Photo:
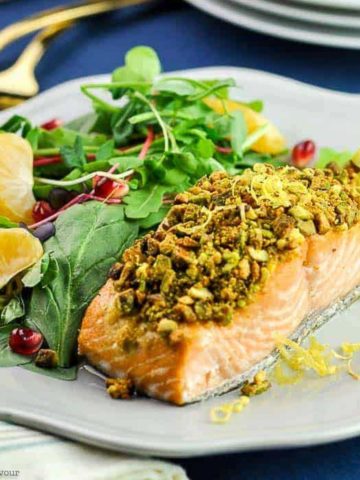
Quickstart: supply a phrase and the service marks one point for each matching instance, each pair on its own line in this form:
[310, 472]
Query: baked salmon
[193, 308]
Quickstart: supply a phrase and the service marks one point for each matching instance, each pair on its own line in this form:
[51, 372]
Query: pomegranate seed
[25, 341]
[303, 153]
[41, 210]
[52, 124]
[109, 188]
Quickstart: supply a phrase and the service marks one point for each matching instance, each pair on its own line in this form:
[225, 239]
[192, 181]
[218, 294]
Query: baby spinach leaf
[89, 239]
[14, 310]
[59, 373]
[43, 272]
[7, 357]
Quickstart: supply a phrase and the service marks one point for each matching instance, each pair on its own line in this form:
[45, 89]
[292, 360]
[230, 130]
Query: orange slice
[19, 250]
[16, 178]
[272, 142]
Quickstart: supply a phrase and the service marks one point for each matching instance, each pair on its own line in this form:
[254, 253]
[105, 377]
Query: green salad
[101, 181]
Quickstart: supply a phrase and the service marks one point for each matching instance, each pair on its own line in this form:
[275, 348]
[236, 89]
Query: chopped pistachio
[120, 388]
[307, 227]
[259, 385]
[167, 326]
[300, 213]
[222, 240]
[244, 268]
[231, 259]
[46, 358]
[200, 293]
[258, 255]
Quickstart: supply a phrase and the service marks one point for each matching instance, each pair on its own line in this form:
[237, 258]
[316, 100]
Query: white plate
[280, 27]
[349, 4]
[316, 411]
[305, 13]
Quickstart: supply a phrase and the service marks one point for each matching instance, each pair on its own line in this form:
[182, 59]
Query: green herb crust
[221, 240]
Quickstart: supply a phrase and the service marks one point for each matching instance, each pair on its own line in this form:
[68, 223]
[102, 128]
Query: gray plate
[315, 411]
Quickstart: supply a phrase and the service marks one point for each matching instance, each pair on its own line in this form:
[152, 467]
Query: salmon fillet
[210, 357]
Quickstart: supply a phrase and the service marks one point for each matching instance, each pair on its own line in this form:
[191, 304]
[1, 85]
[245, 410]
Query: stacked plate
[334, 23]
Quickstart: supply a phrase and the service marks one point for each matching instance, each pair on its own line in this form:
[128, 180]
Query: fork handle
[60, 15]
[33, 53]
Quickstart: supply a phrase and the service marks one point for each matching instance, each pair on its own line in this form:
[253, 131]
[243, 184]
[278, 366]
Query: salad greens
[89, 239]
[153, 136]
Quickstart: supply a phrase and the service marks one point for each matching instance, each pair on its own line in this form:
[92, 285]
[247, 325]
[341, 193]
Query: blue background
[185, 38]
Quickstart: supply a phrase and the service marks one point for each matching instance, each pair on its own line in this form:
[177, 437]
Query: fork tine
[7, 101]
[19, 80]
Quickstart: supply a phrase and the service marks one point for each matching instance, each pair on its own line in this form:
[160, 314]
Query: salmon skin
[284, 247]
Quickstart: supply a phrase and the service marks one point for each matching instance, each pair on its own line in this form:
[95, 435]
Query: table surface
[186, 38]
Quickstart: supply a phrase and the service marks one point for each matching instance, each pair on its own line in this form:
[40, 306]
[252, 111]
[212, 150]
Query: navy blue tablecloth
[185, 38]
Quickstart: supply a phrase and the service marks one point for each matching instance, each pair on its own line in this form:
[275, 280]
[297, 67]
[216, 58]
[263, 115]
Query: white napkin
[31, 455]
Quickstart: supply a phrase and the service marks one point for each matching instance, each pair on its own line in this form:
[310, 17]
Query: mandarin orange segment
[19, 250]
[16, 178]
[272, 142]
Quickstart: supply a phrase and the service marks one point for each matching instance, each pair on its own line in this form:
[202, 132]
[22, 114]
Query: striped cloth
[29, 455]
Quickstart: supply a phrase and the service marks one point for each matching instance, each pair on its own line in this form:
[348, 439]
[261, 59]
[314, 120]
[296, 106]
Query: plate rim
[58, 89]
[345, 4]
[237, 14]
[303, 13]
[344, 429]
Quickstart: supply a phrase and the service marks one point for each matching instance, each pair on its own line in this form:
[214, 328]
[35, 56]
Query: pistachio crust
[223, 237]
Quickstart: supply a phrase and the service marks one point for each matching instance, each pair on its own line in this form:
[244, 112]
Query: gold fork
[59, 15]
[18, 82]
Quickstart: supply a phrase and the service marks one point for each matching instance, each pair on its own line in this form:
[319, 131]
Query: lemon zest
[283, 379]
[339, 356]
[354, 375]
[316, 357]
[222, 413]
[350, 348]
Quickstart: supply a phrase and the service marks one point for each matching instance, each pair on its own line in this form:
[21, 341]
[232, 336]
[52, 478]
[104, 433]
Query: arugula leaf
[126, 163]
[89, 239]
[328, 155]
[6, 223]
[7, 357]
[14, 310]
[62, 136]
[256, 105]
[16, 123]
[106, 151]
[83, 124]
[155, 218]
[238, 132]
[140, 203]
[74, 157]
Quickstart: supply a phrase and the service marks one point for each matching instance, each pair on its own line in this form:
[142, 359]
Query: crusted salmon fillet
[311, 262]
